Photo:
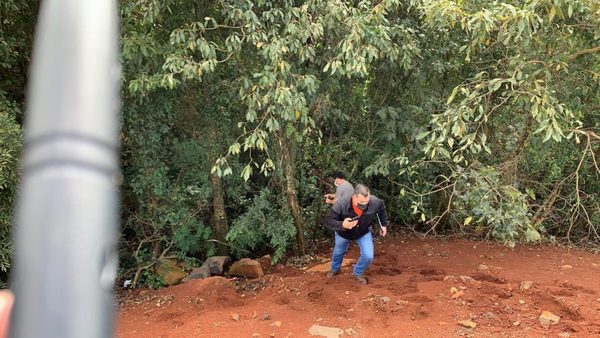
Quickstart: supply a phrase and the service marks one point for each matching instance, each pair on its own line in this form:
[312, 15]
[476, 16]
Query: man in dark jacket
[351, 219]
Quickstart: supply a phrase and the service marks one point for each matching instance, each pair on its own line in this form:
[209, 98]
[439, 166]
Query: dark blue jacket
[342, 209]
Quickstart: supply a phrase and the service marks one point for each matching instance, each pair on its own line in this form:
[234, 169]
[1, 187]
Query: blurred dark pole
[67, 211]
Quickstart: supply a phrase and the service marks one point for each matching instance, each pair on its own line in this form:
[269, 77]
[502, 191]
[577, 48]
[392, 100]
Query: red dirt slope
[418, 288]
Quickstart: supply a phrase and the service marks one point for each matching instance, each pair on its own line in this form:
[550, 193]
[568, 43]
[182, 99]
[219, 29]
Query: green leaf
[468, 220]
[246, 172]
[422, 135]
[451, 97]
[532, 235]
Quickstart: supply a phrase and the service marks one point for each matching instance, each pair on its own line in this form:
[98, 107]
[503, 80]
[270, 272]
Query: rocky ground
[418, 288]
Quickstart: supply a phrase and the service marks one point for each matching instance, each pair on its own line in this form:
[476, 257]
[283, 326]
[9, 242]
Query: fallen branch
[584, 52]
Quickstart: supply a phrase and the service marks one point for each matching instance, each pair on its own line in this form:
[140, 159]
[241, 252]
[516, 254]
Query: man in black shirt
[351, 219]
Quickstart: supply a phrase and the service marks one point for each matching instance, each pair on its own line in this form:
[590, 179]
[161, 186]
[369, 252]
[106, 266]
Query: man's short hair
[338, 174]
[361, 189]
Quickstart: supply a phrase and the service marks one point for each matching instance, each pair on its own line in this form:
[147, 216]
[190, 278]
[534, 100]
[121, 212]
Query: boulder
[266, 263]
[198, 273]
[218, 264]
[169, 271]
[246, 267]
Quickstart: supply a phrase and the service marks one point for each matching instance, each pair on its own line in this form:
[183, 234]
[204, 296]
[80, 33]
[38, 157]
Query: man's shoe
[332, 273]
[361, 279]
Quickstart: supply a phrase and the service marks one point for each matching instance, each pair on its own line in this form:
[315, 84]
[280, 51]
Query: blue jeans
[365, 243]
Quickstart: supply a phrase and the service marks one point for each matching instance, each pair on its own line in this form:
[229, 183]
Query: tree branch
[584, 52]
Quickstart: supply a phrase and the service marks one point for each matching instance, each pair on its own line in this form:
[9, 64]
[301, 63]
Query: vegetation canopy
[471, 117]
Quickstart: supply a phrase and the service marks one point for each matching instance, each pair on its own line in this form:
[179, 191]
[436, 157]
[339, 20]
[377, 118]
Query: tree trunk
[219, 216]
[546, 207]
[292, 195]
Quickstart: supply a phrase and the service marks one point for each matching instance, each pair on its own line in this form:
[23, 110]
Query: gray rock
[218, 264]
[198, 273]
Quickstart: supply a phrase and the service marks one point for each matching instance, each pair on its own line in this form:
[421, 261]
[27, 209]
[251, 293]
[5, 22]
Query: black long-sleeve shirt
[342, 209]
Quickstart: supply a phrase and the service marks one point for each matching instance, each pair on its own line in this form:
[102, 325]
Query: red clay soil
[417, 288]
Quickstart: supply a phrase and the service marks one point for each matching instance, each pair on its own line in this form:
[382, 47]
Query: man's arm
[382, 219]
[334, 220]
[382, 214]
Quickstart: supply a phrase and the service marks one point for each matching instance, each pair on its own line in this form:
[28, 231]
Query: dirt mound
[417, 288]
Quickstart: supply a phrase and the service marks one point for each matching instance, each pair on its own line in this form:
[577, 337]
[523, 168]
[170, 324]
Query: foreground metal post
[67, 214]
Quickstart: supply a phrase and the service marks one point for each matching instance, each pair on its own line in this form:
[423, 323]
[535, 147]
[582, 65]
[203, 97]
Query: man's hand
[329, 198]
[383, 231]
[6, 302]
[349, 223]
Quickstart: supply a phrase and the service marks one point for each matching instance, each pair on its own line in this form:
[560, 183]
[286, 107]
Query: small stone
[458, 294]
[272, 335]
[385, 299]
[466, 279]
[265, 316]
[526, 285]
[402, 302]
[489, 315]
[235, 317]
[351, 332]
[449, 277]
[453, 290]
[468, 323]
[483, 267]
[564, 335]
[442, 323]
[517, 323]
[347, 292]
[350, 310]
[566, 266]
[276, 324]
[256, 335]
[521, 301]
[548, 318]
[325, 331]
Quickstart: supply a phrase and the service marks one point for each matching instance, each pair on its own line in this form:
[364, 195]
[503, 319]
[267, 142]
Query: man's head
[361, 196]
[338, 177]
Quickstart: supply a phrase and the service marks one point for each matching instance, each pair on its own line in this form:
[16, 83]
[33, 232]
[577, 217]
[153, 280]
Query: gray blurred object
[67, 212]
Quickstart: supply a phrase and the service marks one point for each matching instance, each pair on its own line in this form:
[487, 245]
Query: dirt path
[418, 288]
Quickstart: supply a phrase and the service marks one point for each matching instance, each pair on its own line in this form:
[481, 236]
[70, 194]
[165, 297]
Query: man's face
[361, 201]
[337, 181]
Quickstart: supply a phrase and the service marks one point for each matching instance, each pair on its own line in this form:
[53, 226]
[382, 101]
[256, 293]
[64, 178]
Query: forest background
[479, 118]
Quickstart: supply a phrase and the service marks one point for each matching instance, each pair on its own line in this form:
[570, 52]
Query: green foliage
[266, 225]
[152, 280]
[465, 116]
[490, 207]
[10, 147]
